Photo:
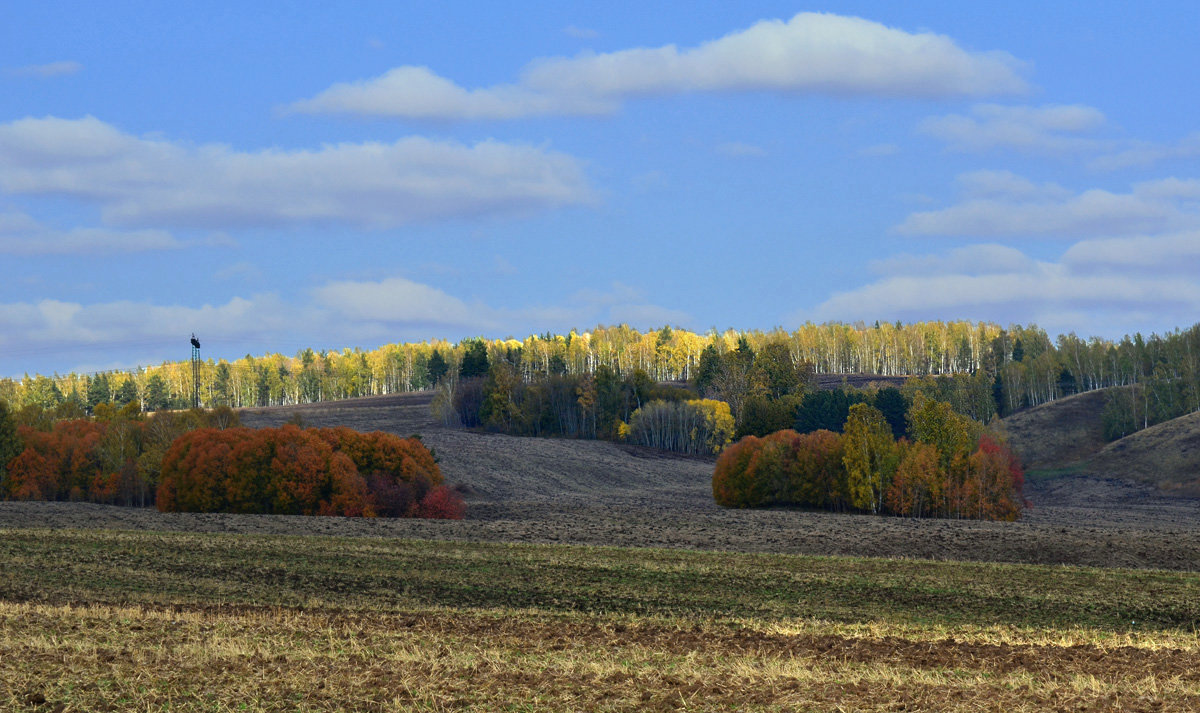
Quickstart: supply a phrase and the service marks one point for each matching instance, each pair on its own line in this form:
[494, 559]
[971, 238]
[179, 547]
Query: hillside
[1068, 433]
[1059, 433]
[599, 493]
[1167, 455]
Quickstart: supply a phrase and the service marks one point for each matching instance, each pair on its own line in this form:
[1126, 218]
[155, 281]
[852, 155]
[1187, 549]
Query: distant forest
[982, 369]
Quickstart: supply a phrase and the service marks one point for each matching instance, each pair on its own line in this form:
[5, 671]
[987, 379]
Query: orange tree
[297, 471]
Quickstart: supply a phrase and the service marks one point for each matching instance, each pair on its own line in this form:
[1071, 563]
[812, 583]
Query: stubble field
[102, 620]
[683, 606]
[598, 493]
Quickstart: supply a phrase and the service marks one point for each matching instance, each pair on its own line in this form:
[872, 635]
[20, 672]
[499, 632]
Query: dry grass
[1059, 433]
[140, 658]
[1166, 455]
[105, 620]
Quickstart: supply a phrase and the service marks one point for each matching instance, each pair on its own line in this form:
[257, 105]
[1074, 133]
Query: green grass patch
[1044, 475]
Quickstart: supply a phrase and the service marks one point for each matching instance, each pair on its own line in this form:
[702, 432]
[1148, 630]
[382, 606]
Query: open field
[598, 493]
[700, 608]
[96, 620]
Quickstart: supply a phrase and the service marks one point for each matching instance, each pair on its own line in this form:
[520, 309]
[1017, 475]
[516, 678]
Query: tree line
[981, 366]
[952, 467]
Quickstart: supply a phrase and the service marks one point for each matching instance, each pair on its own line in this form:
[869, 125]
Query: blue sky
[273, 178]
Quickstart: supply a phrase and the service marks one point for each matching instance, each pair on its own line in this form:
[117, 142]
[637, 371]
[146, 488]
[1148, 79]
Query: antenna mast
[195, 371]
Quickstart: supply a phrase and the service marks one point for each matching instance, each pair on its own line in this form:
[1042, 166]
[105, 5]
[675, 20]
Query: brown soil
[598, 493]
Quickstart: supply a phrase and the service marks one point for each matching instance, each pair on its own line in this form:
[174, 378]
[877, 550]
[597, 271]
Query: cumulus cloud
[46, 71]
[1052, 130]
[143, 181]
[999, 204]
[418, 93]
[813, 52]
[1174, 252]
[397, 300]
[48, 323]
[1140, 154]
[340, 312]
[1049, 129]
[983, 259]
[1103, 297]
[20, 234]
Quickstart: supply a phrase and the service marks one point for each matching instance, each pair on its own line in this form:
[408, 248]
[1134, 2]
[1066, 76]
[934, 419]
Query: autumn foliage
[294, 471]
[954, 468]
[60, 464]
[114, 458]
[199, 461]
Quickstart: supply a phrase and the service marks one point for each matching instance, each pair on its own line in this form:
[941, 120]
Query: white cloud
[1174, 253]
[342, 312]
[71, 325]
[397, 300]
[813, 52]
[1049, 129]
[46, 71]
[1052, 130]
[1057, 296]
[1147, 153]
[1006, 184]
[999, 204]
[418, 93]
[20, 234]
[154, 182]
[983, 259]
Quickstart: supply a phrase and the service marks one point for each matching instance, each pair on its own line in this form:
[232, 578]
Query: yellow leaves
[869, 458]
[936, 423]
[718, 422]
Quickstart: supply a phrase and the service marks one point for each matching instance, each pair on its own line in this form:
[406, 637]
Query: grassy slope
[1058, 433]
[1068, 435]
[156, 621]
[1167, 454]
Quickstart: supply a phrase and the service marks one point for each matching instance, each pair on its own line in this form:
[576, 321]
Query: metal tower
[195, 371]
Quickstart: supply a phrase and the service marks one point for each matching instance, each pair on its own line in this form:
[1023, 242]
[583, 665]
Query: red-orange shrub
[443, 503]
[290, 470]
[816, 470]
[733, 483]
[60, 464]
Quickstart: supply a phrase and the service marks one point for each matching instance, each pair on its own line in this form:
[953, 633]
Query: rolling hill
[1059, 433]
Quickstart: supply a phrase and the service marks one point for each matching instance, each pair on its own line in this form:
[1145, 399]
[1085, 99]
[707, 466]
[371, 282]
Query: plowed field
[100, 620]
[597, 493]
